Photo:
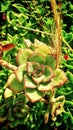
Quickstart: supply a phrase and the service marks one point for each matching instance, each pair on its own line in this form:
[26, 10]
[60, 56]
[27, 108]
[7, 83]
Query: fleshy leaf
[20, 112]
[49, 74]
[45, 87]
[36, 57]
[33, 94]
[14, 84]
[29, 44]
[60, 78]
[30, 67]
[19, 72]
[51, 61]
[8, 46]
[38, 80]
[23, 55]
[13, 124]
[10, 115]
[10, 78]
[43, 49]
[8, 93]
[28, 83]
[9, 102]
[3, 112]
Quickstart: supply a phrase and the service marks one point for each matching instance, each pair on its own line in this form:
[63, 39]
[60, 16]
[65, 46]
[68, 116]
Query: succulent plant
[35, 79]
[36, 72]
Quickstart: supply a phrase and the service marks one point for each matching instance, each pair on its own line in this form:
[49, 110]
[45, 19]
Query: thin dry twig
[7, 65]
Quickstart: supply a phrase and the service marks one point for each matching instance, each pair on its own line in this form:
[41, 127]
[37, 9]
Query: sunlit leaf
[33, 94]
[28, 83]
[30, 66]
[14, 84]
[5, 6]
[38, 80]
[45, 87]
[20, 8]
[8, 93]
[49, 74]
[36, 57]
[23, 55]
[51, 61]
[19, 72]
[43, 49]
[60, 78]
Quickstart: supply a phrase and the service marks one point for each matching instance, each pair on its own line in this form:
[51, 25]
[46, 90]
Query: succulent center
[38, 71]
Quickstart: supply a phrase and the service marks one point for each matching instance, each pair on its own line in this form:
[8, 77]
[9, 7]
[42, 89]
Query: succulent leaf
[28, 82]
[36, 57]
[19, 72]
[10, 115]
[20, 113]
[14, 84]
[59, 79]
[43, 49]
[33, 94]
[38, 80]
[8, 93]
[23, 55]
[51, 61]
[45, 87]
[49, 74]
[30, 66]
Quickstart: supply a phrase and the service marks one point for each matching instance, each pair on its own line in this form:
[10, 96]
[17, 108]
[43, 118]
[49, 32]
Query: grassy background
[34, 19]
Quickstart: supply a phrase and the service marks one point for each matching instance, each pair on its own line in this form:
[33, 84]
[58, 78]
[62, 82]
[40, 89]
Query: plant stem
[65, 42]
[58, 37]
[7, 65]
[35, 30]
[46, 33]
[59, 98]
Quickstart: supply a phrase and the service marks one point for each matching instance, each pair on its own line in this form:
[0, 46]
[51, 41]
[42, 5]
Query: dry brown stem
[58, 31]
[7, 65]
